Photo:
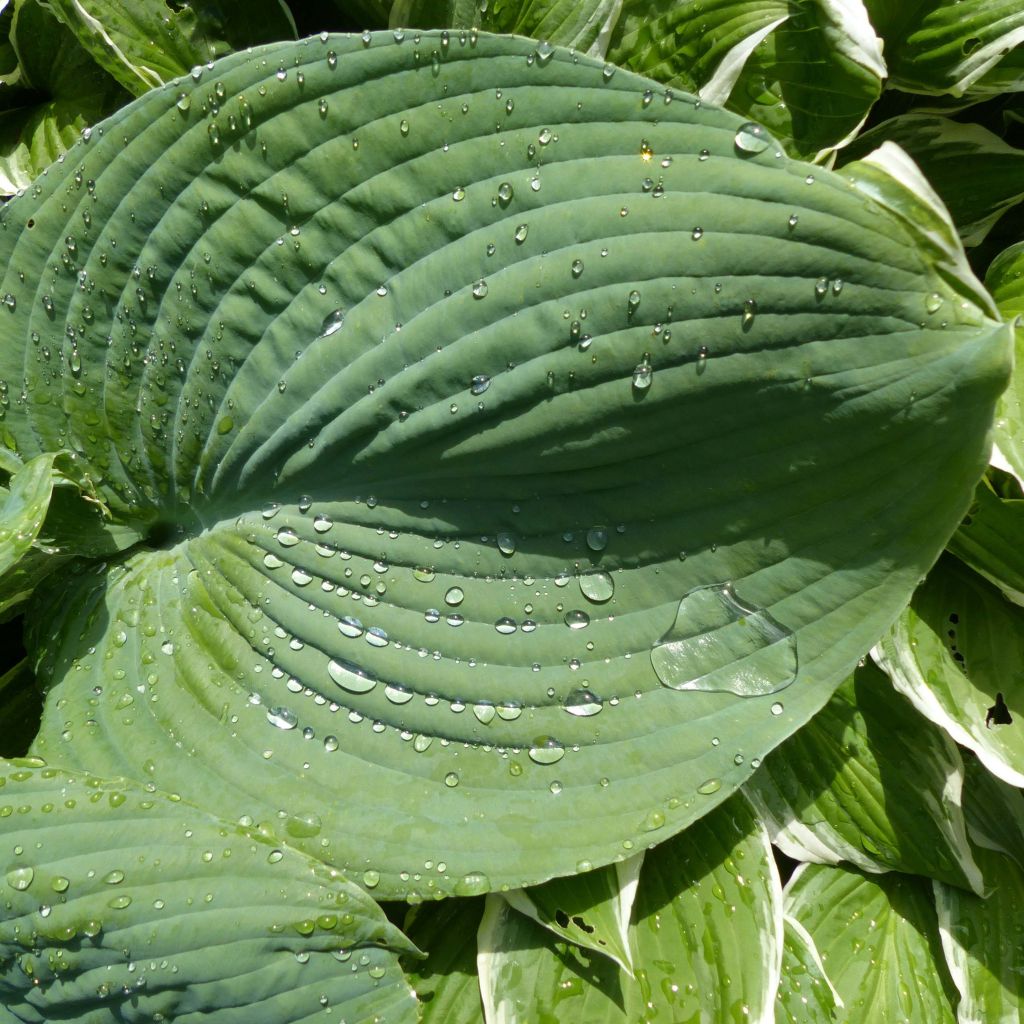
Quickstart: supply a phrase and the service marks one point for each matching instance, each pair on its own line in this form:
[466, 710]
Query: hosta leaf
[23, 506]
[978, 175]
[995, 812]
[122, 903]
[814, 78]
[866, 781]
[988, 539]
[58, 93]
[1005, 280]
[591, 909]
[145, 43]
[952, 46]
[805, 995]
[957, 653]
[879, 943]
[446, 983]
[417, 541]
[706, 901]
[982, 938]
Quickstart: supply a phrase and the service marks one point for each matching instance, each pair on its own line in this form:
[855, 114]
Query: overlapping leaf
[957, 652]
[879, 942]
[122, 903]
[868, 782]
[506, 493]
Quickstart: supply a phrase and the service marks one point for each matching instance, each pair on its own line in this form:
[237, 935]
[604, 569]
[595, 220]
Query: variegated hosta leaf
[1005, 280]
[982, 939]
[978, 175]
[501, 496]
[143, 44]
[813, 80]
[879, 942]
[707, 934]
[592, 908]
[123, 903]
[446, 983]
[989, 538]
[868, 782]
[805, 996]
[960, 47]
[957, 653]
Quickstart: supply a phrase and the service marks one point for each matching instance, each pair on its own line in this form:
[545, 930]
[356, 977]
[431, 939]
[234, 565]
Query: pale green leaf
[879, 942]
[957, 652]
[805, 995]
[442, 382]
[147, 42]
[952, 46]
[868, 782]
[126, 903]
[23, 505]
[978, 176]
[707, 933]
[591, 909]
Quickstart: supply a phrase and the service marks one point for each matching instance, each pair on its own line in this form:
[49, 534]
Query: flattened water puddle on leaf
[718, 643]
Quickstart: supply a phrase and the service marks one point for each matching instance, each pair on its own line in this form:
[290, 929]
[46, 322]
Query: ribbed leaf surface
[125, 904]
[522, 450]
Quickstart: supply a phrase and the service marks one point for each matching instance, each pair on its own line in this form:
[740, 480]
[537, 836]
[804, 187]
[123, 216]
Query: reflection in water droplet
[421, 742]
[509, 712]
[454, 596]
[20, 878]
[643, 374]
[332, 322]
[933, 303]
[376, 636]
[720, 644]
[287, 537]
[397, 695]
[520, 233]
[283, 718]
[546, 750]
[451, 780]
[350, 626]
[597, 538]
[479, 384]
[476, 883]
[351, 677]
[709, 786]
[597, 587]
[505, 625]
[484, 712]
[583, 703]
[751, 138]
[480, 289]
[749, 311]
[577, 619]
[777, 708]
[506, 544]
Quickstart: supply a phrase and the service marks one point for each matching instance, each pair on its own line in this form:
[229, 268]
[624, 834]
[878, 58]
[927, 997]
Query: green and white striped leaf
[805, 995]
[959, 47]
[693, 47]
[813, 80]
[446, 983]
[988, 539]
[707, 933]
[145, 44]
[592, 908]
[402, 456]
[982, 937]
[958, 653]
[1005, 280]
[978, 176]
[58, 93]
[868, 782]
[125, 903]
[879, 942]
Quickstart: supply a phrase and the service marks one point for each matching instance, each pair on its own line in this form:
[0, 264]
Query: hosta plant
[452, 485]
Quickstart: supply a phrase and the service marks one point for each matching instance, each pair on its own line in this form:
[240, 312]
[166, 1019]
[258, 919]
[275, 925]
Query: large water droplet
[597, 587]
[643, 374]
[20, 878]
[718, 643]
[577, 619]
[476, 883]
[283, 718]
[332, 322]
[751, 138]
[350, 626]
[505, 625]
[546, 750]
[479, 384]
[454, 596]
[583, 703]
[351, 677]
[597, 538]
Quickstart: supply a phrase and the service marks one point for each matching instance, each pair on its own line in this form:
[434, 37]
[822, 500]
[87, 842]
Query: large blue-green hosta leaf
[517, 451]
[122, 903]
